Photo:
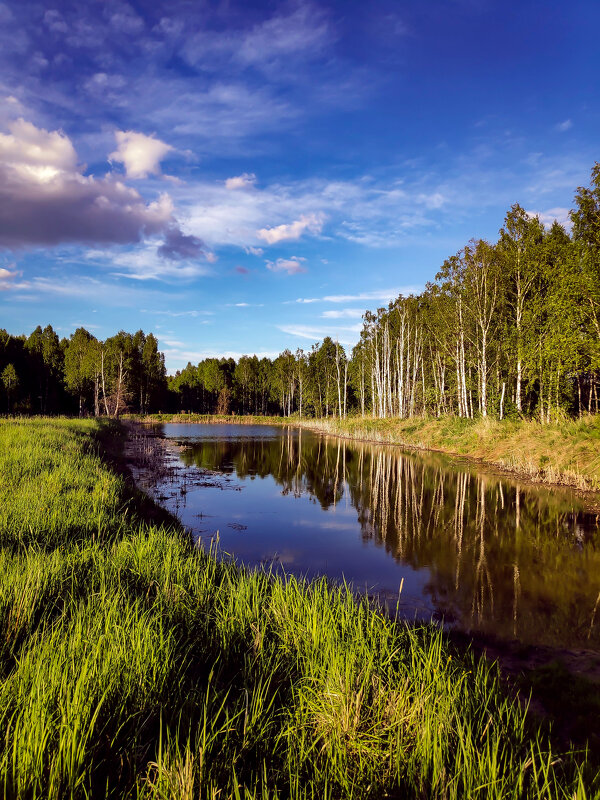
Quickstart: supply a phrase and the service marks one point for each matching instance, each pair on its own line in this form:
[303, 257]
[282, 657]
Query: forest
[506, 329]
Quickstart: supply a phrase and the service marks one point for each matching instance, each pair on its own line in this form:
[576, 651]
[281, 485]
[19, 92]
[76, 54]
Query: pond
[434, 537]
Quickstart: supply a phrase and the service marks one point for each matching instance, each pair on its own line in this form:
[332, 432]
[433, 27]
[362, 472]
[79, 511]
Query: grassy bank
[134, 665]
[207, 419]
[565, 453]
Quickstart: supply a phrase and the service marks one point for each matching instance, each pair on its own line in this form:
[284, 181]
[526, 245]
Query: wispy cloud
[410, 204]
[145, 263]
[343, 313]
[163, 313]
[347, 335]
[566, 125]
[84, 289]
[272, 45]
[384, 295]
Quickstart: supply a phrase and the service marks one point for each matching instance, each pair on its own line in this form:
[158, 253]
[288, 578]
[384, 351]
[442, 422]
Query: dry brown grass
[565, 453]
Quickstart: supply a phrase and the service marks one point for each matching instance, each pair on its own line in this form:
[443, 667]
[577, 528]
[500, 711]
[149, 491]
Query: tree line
[311, 383]
[42, 374]
[510, 328]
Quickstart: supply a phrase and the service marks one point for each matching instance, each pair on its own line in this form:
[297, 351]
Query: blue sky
[245, 177]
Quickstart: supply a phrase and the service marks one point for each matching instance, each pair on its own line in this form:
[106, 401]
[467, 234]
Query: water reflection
[491, 555]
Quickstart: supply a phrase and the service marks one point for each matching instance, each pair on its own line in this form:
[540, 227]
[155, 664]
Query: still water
[477, 550]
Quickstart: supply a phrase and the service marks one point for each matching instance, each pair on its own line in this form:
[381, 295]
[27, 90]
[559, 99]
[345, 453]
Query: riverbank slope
[565, 454]
[136, 665]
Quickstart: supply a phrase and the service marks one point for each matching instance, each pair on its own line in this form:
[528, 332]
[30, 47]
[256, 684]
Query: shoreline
[388, 432]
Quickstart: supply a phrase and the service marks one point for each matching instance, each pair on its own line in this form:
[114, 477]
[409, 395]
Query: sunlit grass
[566, 452]
[133, 664]
[232, 419]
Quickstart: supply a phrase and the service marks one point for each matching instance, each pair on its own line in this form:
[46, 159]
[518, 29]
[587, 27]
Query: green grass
[565, 452]
[134, 665]
[232, 419]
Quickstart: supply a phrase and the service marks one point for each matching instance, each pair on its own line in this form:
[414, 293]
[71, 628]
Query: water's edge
[546, 478]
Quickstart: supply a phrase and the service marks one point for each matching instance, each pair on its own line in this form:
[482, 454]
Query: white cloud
[140, 154]
[36, 154]
[254, 251]
[304, 300]
[344, 313]
[146, 263]
[384, 295]
[244, 181]
[291, 265]
[292, 231]
[171, 342]
[373, 213]
[347, 335]
[8, 279]
[177, 358]
[564, 126]
[547, 218]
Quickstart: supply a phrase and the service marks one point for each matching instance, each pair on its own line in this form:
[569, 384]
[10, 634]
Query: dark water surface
[478, 550]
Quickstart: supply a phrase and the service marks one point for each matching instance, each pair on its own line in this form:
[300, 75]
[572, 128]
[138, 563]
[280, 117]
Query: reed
[135, 665]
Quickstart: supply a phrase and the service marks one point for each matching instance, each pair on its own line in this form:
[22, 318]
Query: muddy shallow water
[482, 552]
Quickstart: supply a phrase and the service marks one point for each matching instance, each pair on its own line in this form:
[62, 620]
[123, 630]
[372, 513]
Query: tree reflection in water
[517, 561]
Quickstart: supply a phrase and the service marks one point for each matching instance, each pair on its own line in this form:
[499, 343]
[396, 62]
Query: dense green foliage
[41, 374]
[135, 665]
